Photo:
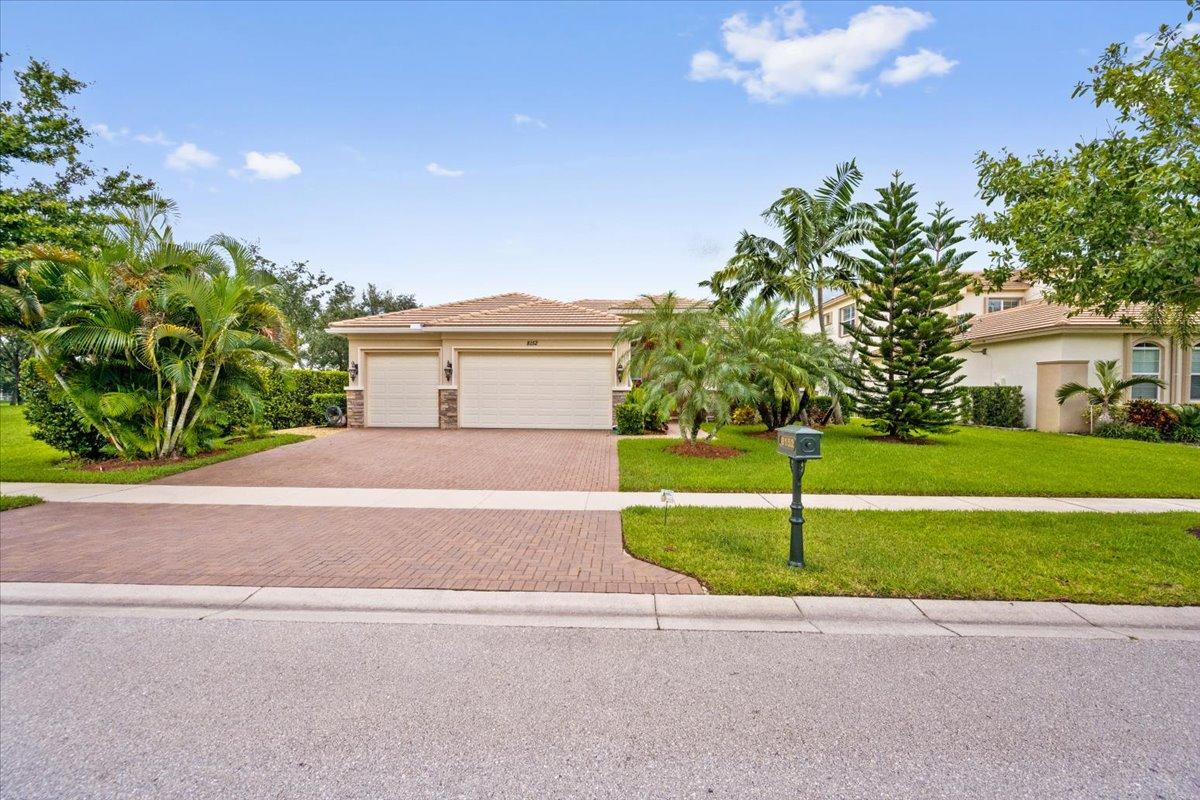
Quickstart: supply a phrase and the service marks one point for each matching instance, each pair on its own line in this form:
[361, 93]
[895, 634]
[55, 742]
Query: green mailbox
[801, 445]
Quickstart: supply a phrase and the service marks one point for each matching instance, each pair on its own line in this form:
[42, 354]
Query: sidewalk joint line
[926, 616]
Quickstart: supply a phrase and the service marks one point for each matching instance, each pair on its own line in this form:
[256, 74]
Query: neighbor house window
[1001, 303]
[1147, 363]
[827, 319]
[845, 320]
[1195, 392]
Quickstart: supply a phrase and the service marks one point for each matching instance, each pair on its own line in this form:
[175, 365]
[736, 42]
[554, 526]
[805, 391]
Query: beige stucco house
[1015, 338]
[506, 361]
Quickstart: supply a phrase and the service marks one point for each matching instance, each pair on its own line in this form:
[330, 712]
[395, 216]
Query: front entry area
[535, 390]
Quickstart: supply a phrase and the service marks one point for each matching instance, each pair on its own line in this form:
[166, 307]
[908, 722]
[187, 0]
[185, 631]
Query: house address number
[531, 342]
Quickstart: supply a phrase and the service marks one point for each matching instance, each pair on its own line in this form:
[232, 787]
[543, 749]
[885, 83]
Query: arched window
[1194, 395]
[1147, 363]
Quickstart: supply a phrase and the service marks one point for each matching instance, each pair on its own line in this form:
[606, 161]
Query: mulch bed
[702, 450]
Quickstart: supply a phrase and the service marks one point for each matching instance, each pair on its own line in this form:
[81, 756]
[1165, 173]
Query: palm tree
[148, 334]
[1110, 390]
[699, 381]
[812, 255]
[664, 326]
[786, 366]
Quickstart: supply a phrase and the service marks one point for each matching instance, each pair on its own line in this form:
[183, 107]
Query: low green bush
[54, 420]
[995, 406]
[631, 419]
[1119, 430]
[322, 401]
[1187, 425]
[287, 401]
[745, 415]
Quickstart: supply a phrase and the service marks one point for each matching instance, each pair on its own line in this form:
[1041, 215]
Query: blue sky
[566, 150]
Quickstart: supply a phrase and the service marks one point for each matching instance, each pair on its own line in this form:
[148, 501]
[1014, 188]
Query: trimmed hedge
[321, 401]
[53, 418]
[288, 400]
[1117, 430]
[995, 406]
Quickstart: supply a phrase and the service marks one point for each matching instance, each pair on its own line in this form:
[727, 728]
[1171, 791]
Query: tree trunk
[835, 412]
[821, 308]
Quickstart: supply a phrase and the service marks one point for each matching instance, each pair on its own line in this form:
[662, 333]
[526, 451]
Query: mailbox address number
[787, 441]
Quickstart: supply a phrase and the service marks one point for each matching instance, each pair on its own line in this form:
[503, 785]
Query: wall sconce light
[353, 371]
[448, 371]
[620, 371]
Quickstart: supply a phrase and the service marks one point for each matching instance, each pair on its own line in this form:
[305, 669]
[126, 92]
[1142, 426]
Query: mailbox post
[800, 445]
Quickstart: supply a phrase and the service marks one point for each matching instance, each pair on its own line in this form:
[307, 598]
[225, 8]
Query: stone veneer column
[354, 408]
[447, 408]
[618, 397]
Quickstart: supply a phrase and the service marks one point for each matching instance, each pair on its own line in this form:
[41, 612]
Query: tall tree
[1115, 220]
[817, 230]
[904, 339]
[40, 133]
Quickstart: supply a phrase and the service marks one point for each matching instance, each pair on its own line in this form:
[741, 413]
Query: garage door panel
[402, 390]
[543, 390]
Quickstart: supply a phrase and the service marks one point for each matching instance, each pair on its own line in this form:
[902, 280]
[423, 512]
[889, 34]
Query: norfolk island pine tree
[903, 338]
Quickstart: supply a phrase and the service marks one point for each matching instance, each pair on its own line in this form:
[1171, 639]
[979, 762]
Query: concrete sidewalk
[814, 615]
[561, 500]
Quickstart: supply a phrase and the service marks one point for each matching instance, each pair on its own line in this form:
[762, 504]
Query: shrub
[54, 419]
[995, 406]
[1187, 426]
[323, 401]
[1117, 430]
[745, 415]
[1149, 414]
[631, 419]
[287, 401]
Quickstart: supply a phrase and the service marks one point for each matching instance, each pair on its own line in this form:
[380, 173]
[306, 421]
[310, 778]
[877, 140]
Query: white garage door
[535, 390]
[402, 390]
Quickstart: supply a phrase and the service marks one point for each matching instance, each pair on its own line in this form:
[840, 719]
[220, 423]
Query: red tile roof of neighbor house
[639, 303]
[1039, 317]
[513, 309]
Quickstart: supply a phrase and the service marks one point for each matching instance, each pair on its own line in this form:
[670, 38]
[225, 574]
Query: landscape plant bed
[984, 555]
[970, 461]
[24, 459]
[703, 450]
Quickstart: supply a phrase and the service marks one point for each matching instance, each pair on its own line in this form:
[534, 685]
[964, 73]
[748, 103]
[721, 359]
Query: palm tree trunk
[180, 423]
[821, 308]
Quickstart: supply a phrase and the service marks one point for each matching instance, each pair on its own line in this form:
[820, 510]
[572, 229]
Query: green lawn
[10, 501]
[23, 458]
[972, 461]
[993, 555]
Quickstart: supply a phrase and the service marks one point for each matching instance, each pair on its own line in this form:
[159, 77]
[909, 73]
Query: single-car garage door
[535, 390]
[402, 390]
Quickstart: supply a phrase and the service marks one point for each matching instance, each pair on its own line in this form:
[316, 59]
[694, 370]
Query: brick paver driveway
[398, 458]
[346, 547]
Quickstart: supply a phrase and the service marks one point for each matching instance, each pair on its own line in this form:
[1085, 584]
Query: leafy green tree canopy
[1116, 219]
[41, 135]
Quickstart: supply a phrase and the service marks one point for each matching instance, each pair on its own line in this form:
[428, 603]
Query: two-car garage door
[495, 390]
[535, 390]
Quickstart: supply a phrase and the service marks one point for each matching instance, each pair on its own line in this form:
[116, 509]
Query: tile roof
[639, 303]
[515, 309]
[1038, 316]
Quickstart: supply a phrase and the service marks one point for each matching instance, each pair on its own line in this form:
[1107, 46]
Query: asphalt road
[156, 708]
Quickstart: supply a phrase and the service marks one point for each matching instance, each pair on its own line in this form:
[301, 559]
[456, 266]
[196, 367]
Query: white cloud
[270, 166]
[779, 56]
[526, 121]
[1143, 43]
[188, 156]
[434, 168]
[106, 133]
[153, 138]
[921, 64]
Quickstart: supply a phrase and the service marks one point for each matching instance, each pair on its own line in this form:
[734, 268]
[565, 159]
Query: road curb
[811, 615]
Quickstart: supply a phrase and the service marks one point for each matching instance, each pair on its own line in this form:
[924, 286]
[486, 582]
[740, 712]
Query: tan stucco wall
[1050, 416]
[448, 346]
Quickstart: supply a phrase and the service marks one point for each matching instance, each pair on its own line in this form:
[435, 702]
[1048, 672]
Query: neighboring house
[506, 361]
[1015, 338]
